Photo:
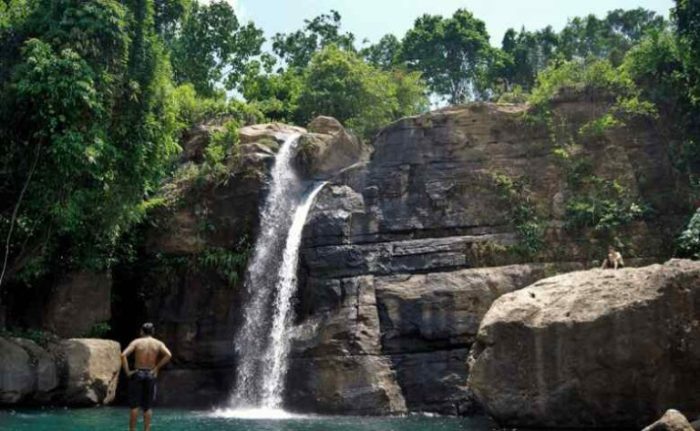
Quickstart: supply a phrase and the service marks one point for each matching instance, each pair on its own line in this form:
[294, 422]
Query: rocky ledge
[74, 372]
[592, 349]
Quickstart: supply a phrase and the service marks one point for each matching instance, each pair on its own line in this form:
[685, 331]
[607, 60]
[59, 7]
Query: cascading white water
[278, 348]
[262, 343]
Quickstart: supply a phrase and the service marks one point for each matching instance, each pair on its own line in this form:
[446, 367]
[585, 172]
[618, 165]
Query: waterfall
[262, 343]
[275, 357]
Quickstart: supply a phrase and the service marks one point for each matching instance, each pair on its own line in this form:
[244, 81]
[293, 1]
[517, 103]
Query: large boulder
[328, 149]
[89, 371]
[77, 303]
[276, 132]
[44, 370]
[17, 378]
[672, 420]
[592, 349]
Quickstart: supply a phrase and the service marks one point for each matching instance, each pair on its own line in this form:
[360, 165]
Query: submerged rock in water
[672, 420]
[592, 349]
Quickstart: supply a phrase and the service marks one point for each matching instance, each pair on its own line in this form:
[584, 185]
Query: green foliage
[527, 53]
[604, 206]
[385, 54]
[275, 94]
[99, 330]
[222, 147]
[168, 15]
[296, 49]
[42, 338]
[688, 243]
[194, 109]
[338, 83]
[610, 38]
[598, 126]
[659, 67]
[523, 213]
[88, 127]
[453, 54]
[212, 47]
[593, 74]
[687, 15]
[228, 264]
[596, 203]
[516, 95]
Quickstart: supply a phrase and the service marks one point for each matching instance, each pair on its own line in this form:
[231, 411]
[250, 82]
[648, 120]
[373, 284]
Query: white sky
[371, 19]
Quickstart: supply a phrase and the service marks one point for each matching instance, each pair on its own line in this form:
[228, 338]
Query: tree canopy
[96, 94]
[453, 54]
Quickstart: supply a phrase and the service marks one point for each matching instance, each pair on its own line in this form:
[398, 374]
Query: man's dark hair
[148, 328]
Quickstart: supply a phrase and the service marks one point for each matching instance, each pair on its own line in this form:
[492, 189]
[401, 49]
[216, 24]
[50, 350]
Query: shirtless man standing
[142, 380]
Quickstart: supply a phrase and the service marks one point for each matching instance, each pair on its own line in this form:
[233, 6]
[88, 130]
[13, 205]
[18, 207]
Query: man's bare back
[147, 350]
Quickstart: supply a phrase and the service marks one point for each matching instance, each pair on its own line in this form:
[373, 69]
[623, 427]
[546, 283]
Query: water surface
[116, 419]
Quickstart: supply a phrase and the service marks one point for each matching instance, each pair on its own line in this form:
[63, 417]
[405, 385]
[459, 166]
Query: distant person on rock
[613, 260]
[150, 355]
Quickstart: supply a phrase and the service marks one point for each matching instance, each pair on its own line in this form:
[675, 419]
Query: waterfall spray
[262, 343]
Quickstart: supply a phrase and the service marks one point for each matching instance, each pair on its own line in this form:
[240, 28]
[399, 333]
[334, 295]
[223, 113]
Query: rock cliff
[406, 249]
[404, 255]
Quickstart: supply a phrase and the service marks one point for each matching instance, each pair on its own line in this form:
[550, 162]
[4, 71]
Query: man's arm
[125, 361]
[164, 360]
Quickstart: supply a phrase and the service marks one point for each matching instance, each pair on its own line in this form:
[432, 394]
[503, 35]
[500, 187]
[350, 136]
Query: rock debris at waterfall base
[598, 348]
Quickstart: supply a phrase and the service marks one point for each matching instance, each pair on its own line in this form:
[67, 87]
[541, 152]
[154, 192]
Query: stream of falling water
[262, 343]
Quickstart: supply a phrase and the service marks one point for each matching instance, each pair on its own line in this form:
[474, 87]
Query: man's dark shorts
[142, 389]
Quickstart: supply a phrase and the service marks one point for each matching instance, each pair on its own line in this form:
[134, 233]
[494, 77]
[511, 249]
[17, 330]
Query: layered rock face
[74, 372]
[407, 247]
[592, 349]
[392, 283]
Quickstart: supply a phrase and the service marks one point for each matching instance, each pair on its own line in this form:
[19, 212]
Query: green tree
[276, 94]
[453, 54]
[338, 83]
[385, 54]
[168, 14]
[526, 54]
[296, 49]
[610, 37]
[213, 47]
[87, 128]
[687, 17]
[688, 243]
